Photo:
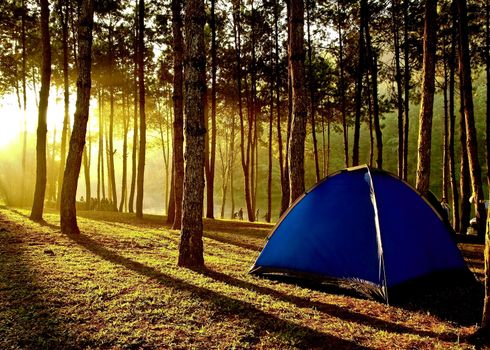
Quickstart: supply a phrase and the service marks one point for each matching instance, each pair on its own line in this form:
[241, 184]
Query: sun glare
[11, 120]
[12, 117]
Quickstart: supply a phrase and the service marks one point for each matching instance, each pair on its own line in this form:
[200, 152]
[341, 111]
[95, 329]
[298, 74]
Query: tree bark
[445, 133]
[327, 171]
[101, 145]
[52, 177]
[24, 100]
[487, 50]
[134, 155]
[141, 81]
[232, 165]
[373, 68]
[77, 141]
[210, 169]
[427, 100]
[245, 154]
[40, 190]
[398, 80]
[171, 203]
[252, 123]
[86, 171]
[452, 124]
[282, 165]
[124, 180]
[178, 147]
[66, 88]
[108, 164]
[269, 158]
[299, 113]
[471, 137]
[406, 89]
[191, 245]
[464, 177]
[312, 88]
[343, 107]
[112, 172]
[360, 73]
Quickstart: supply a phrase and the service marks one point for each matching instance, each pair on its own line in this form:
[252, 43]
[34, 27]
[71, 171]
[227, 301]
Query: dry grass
[117, 286]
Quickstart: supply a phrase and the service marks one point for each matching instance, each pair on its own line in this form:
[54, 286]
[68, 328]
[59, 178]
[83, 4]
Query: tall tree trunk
[171, 202]
[487, 50]
[124, 180]
[359, 76]
[406, 89]
[77, 141]
[343, 107]
[298, 127]
[464, 177]
[38, 204]
[224, 156]
[445, 136]
[165, 161]
[282, 165]
[427, 98]
[34, 87]
[327, 172]
[373, 68]
[178, 147]
[312, 88]
[245, 155]
[485, 326]
[452, 125]
[269, 158]
[52, 177]
[74, 17]
[141, 81]
[232, 165]
[112, 172]
[108, 164]
[66, 88]
[370, 122]
[252, 123]
[398, 80]
[210, 169]
[24, 100]
[324, 156]
[191, 245]
[86, 171]
[134, 154]
[471, 136]
[101, 145]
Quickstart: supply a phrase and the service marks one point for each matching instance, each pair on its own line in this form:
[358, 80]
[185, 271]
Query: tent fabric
[364, 225]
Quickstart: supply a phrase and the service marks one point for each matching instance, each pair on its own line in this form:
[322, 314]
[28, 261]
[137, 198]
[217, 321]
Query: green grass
[117, 286]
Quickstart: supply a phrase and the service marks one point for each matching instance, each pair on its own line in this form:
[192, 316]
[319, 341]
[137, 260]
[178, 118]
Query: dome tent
[364, 227]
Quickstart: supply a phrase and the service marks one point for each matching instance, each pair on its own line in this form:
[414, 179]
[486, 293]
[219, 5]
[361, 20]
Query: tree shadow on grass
[262, 322]
[330, 309]
[41, 222]
[221, 235]
[29, 319]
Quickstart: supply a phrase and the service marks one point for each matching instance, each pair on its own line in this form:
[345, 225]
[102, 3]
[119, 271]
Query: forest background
[331, 40]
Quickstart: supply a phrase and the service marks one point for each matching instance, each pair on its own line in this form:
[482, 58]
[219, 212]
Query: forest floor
[117, 286]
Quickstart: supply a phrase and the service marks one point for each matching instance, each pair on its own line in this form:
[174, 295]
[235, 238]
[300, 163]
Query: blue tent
[364, 226]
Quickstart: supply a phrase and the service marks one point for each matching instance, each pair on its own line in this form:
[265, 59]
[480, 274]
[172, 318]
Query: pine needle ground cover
[117, 286]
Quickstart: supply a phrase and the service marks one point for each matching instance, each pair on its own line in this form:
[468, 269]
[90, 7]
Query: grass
[117, 286]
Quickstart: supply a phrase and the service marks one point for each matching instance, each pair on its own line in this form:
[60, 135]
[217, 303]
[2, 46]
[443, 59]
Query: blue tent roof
[361, 224]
